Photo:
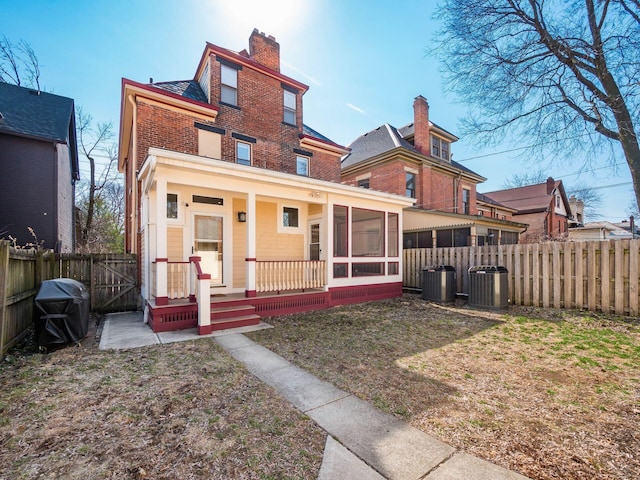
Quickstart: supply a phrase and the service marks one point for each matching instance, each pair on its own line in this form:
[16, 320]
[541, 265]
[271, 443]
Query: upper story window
[229, 85]
[289, 107]
[302, 165]
[439, 148]
[411, 184]
[243, 153]
[364, 183]
[465, 201]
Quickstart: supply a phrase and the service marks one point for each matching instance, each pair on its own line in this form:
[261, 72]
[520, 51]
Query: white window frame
[307, 165]
[249, 145]
[288, 109]
[302, 219]
[230, 86]
[178, 218]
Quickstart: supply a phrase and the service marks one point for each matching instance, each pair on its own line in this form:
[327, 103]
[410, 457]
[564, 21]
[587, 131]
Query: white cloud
[301, 73]
[357, 109]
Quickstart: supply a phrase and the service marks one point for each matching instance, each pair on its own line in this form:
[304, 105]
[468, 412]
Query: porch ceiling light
[242, 217]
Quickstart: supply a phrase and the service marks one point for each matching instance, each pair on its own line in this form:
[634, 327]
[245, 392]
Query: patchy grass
[552, 394]
[185, 410]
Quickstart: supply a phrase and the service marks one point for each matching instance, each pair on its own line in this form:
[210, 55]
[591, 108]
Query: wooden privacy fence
[599, 276]
[110, 278]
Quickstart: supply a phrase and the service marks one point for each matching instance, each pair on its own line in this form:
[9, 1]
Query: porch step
[233, 317]
[235, 322]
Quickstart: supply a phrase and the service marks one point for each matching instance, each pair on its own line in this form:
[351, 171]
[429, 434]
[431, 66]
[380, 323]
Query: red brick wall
[260, 115]
[164, 128]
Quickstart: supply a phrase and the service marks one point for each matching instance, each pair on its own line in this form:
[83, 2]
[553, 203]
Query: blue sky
[364, 62]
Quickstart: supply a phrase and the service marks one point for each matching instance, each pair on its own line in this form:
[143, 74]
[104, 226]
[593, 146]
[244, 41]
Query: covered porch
[222, 241]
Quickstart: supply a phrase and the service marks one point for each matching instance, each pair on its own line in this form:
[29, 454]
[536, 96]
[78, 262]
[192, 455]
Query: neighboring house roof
[480, 198]
[613, 229]
[35, 114]
[528, 199]
[185, 88]
[409, 130]
[386, 138]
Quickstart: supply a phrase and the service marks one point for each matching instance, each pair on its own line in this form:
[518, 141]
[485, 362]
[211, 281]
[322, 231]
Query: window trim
[307, 164]
[241, 142]
[302, 219]
[286, 109]
[178, 217]
[414, 176]
[229, 68]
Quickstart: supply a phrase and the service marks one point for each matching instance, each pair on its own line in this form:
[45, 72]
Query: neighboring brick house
[224, 178]
[416, 161]
[544, 207]
[38, 167]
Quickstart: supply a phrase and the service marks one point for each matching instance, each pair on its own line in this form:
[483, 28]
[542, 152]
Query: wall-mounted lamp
[242, 217]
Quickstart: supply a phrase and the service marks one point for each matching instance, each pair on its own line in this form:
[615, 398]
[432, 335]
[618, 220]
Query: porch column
[161, 242]
[250, 259]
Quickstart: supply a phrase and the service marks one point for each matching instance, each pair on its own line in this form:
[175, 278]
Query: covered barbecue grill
[61, 312]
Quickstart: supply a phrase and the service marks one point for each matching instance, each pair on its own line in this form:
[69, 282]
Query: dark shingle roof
[375, 142]
[185, 88]
[383, 139]
[307, 130]
[527, 198]
[29, 113]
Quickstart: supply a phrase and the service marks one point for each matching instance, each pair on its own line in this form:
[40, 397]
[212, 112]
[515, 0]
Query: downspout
[134, 183]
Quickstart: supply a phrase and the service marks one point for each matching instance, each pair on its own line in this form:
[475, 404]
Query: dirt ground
[179, 411]
[548, 393]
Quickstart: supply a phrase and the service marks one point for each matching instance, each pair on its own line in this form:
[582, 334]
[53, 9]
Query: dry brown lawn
[551, 394]
[180, 411]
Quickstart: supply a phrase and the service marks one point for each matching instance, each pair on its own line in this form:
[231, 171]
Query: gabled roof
[386, 138]
[185, 88]
[530, 198]
[35, 114]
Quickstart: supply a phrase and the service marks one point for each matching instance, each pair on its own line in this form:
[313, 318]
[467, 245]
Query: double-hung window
[439, 148]
[229, 85]
[410, 179]
[289, 107]
[243, 153]
[465, 201]
[302, 165]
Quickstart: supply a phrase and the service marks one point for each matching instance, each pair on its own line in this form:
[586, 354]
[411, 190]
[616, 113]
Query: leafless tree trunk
[95, 139]
[565, 72]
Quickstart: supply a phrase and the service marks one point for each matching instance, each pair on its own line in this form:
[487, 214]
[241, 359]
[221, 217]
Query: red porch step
[233, 317]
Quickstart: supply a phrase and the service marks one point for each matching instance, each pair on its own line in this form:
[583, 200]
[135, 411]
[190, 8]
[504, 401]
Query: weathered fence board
[599, 276]
[110, 278]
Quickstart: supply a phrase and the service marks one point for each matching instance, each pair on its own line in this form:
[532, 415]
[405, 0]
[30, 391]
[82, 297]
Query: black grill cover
[61, 312]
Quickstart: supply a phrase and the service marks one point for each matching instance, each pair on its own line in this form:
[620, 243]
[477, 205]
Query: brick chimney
[551, 184]
[264, 50]
[422, 131]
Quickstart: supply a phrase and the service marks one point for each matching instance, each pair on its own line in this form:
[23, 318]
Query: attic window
[439, 148]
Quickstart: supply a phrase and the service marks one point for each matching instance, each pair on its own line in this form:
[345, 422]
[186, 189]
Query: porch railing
[277, 276]
[178, 280]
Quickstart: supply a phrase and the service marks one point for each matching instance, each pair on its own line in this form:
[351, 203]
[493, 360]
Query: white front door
[208, 245]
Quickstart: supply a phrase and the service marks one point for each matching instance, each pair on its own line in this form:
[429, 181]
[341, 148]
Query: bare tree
[18, 64]
[95, 140]
[565, 72]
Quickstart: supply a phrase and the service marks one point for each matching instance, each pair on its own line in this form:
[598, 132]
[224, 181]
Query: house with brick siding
[234, 205]
[544, 207]
[416, 161]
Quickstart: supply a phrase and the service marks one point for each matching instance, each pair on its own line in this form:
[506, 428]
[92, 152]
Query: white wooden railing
[277, 276]
[178, 279]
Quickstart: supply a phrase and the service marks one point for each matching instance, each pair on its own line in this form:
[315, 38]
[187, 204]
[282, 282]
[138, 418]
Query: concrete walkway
[363, 442]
